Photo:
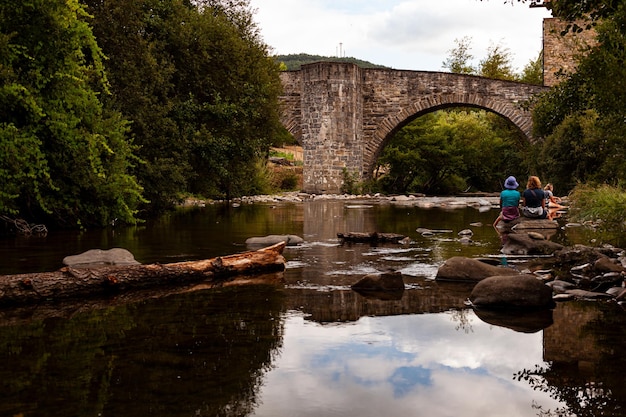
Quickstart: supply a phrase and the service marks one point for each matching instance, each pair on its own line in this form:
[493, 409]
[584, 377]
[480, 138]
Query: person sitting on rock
[509, 202]
[551, 199]
[533, 199]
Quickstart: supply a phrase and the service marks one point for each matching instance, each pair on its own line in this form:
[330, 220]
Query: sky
[401, 34]
[403, 365]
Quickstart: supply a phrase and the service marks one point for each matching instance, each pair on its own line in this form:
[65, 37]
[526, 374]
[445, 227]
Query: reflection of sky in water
[428, 364]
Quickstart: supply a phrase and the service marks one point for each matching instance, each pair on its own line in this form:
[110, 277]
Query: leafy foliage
[187, 103]
[200, 88]
[293, 62]
[64, 157]
[459, 58]
[497, 64]
[532, 73]
[450, 151]
[600, 202]
[582, 118]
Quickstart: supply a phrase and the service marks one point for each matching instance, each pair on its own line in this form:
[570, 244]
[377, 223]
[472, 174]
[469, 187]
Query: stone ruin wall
[560, 51]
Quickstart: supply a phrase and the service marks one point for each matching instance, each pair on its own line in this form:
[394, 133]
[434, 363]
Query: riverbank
[484, 200]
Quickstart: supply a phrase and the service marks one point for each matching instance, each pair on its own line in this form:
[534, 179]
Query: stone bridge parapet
[343, 115]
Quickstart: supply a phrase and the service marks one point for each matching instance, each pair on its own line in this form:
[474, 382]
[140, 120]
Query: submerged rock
[390, 281]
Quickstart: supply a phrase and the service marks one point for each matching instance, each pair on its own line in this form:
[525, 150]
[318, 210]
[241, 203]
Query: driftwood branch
[71, 282]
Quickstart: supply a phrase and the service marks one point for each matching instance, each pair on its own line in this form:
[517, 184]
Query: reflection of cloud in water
[317, 287]
[397, 258]
[406, 378]
[388, 251]
[359, 269]
[419, 269]
[331, 244]
[402, 365]
[295, 264]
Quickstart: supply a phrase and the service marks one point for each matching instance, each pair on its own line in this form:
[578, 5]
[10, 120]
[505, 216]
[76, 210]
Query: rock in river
[512, 291]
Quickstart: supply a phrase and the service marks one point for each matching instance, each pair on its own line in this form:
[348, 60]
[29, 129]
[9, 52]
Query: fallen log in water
[71, 282]
[374, 237]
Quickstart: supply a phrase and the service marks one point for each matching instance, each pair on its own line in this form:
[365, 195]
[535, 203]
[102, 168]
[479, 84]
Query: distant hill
[294, 61]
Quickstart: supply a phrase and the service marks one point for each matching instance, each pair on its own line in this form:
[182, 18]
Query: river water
[310, 346]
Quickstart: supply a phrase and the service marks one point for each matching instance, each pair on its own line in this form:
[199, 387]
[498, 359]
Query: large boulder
[95, 258]
[517, 291]
[459, 268]
[525, 244]
[385, 281]
[269, 240]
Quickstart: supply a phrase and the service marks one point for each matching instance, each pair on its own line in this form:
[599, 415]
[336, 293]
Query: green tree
[140, 71]
[579, 11]
[230, 98]
[592, 102]
[64, 158]
[497, 64]
[532, 73]
[200, 88]
[446, 152]
[459, 58]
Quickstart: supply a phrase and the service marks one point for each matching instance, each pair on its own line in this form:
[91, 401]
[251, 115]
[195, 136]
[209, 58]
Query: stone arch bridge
[343, 115]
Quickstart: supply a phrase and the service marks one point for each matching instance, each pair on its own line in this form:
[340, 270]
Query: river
[310, 347]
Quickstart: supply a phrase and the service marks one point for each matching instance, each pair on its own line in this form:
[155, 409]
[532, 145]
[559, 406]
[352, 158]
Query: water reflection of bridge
[347, 305]
[583, 341]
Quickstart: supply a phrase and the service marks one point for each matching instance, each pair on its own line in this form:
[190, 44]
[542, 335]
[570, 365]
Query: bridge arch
[343, 115]
[393, 123]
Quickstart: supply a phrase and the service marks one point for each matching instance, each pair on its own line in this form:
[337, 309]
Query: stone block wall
[560, 51]
[290, 101]
[331, 125]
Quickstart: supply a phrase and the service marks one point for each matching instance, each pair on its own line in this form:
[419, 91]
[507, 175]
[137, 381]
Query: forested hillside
[293, 62]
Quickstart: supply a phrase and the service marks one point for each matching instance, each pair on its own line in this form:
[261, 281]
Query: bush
[599, 203]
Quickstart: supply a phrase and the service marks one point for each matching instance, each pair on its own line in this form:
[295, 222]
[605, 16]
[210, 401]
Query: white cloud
[410, 34]
[419, 364]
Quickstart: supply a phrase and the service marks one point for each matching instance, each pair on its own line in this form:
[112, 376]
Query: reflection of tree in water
[588, 388]
[461, 316]
[196, 354]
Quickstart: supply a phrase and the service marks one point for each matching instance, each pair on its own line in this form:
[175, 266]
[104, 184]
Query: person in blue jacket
[509, 201]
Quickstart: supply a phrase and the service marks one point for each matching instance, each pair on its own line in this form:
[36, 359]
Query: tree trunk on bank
[71, 282]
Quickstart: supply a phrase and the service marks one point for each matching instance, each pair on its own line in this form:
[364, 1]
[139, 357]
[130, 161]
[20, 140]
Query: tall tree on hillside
[63, 157]
[199, 87]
